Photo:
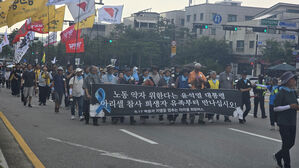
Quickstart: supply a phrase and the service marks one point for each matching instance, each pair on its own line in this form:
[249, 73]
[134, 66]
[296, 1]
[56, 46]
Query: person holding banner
[145, 80]
[213, 83]
[182, 83]
[197, 80]
[92, 78]
[129, 80]
[167, 82]
[244, 85]
[286, 107]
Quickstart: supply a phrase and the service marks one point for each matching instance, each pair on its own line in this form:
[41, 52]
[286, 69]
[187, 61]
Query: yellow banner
[24, 9]
[56, 23]
[86, 23]
[47, 13]
[4, 6]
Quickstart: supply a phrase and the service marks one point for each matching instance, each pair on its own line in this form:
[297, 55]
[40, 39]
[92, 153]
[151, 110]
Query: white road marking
[256, 135]
[139, 137]
[250, 114]
[111, 154]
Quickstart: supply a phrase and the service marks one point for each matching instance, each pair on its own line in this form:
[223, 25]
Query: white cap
[78, 70]
[60, 68]
[197, 65]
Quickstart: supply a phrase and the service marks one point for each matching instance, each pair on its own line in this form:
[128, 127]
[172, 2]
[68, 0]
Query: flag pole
[78, 23]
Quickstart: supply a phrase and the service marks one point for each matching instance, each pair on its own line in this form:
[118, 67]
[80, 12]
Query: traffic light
[200, 26]
[110, 41]
[260, 29]
[230, 28]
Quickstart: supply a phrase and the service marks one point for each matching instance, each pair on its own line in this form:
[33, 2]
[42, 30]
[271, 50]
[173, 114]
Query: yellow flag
[4, 6]
[86, 23]
[44, 58]
[47, 13]
[56, 23]
[24, 9]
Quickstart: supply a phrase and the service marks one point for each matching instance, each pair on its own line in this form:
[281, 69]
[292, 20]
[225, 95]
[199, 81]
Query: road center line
[111, 154]
[139, 137]
[256, 135]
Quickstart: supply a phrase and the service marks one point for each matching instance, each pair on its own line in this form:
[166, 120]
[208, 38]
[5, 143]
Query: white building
[281, 22]
[176, 17]
[216, 15]
[143, 20]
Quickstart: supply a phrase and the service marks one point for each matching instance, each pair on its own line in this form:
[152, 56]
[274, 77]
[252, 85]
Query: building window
[152, 25]
[240, 46]
[172, 21]
[213, 31]
[251, 44]
[145, 25]
[231, 44]
[188, 18]
[248, 18]
[292, 11]
[194, 17]
[201, 16]
[213, 15]
[200, 31]
[182, 22]
[232, 18]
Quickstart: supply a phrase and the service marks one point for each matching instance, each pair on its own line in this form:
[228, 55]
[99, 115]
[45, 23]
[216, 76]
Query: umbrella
[283, 67]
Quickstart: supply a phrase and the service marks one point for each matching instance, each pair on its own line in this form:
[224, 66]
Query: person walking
[59, 88]
[259, 97]
[226, 82]
[76, 93]
[15, 78]
[44, 83]
[286, 107]
[68, 75]
[145, 80]
[29, 84]
[182, 83]
[274, 89]
[244, 85]
[92, 78]
[212, 83]
[197, 80]
[155, 75]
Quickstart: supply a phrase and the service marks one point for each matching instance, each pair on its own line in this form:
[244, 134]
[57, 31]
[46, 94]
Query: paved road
[62, 143]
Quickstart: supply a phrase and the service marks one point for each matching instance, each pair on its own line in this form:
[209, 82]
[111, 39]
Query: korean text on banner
[21, 33]
[86, 23]
[36, 27]
[46, 14]
[22, 46]
[51, 39]
[4, 6]
[56, 23]
[76, 46]
[111, 14]
[21, 10]
[70, 34]
[82, 9]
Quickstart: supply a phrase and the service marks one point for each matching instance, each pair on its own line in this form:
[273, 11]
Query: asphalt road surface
[63, 143]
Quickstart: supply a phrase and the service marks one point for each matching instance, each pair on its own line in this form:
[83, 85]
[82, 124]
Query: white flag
[82, 9]
[5, 40]
[22, 46]
[110, 14]
[51, 39]
[61, 2]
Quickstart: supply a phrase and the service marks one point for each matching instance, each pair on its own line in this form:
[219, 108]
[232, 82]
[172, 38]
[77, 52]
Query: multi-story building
[280, 23]
[216, 15]
[176, 17]
[143, 20]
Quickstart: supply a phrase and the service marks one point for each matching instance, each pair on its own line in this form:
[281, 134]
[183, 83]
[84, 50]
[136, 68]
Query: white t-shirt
[78, 90]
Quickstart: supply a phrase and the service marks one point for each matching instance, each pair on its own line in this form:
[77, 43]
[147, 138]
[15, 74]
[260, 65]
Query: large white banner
[4, 42]
[22, 46]
[110, 14]
[60, 2]
[82, 9]
[51, 39]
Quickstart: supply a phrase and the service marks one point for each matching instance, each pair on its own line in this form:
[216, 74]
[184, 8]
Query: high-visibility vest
[214, 85]
[262, 88]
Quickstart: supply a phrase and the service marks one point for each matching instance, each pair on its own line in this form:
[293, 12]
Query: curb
[3, 163]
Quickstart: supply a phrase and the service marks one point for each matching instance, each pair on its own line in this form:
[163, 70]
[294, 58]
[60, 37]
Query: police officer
[259, 97]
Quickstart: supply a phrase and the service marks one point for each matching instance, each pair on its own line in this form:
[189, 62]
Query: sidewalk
[14, 155]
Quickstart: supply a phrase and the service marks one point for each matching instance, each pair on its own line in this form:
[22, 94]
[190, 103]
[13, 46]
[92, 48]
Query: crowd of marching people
[74, 87]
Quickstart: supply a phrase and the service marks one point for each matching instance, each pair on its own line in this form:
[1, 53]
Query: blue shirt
[273, 94]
